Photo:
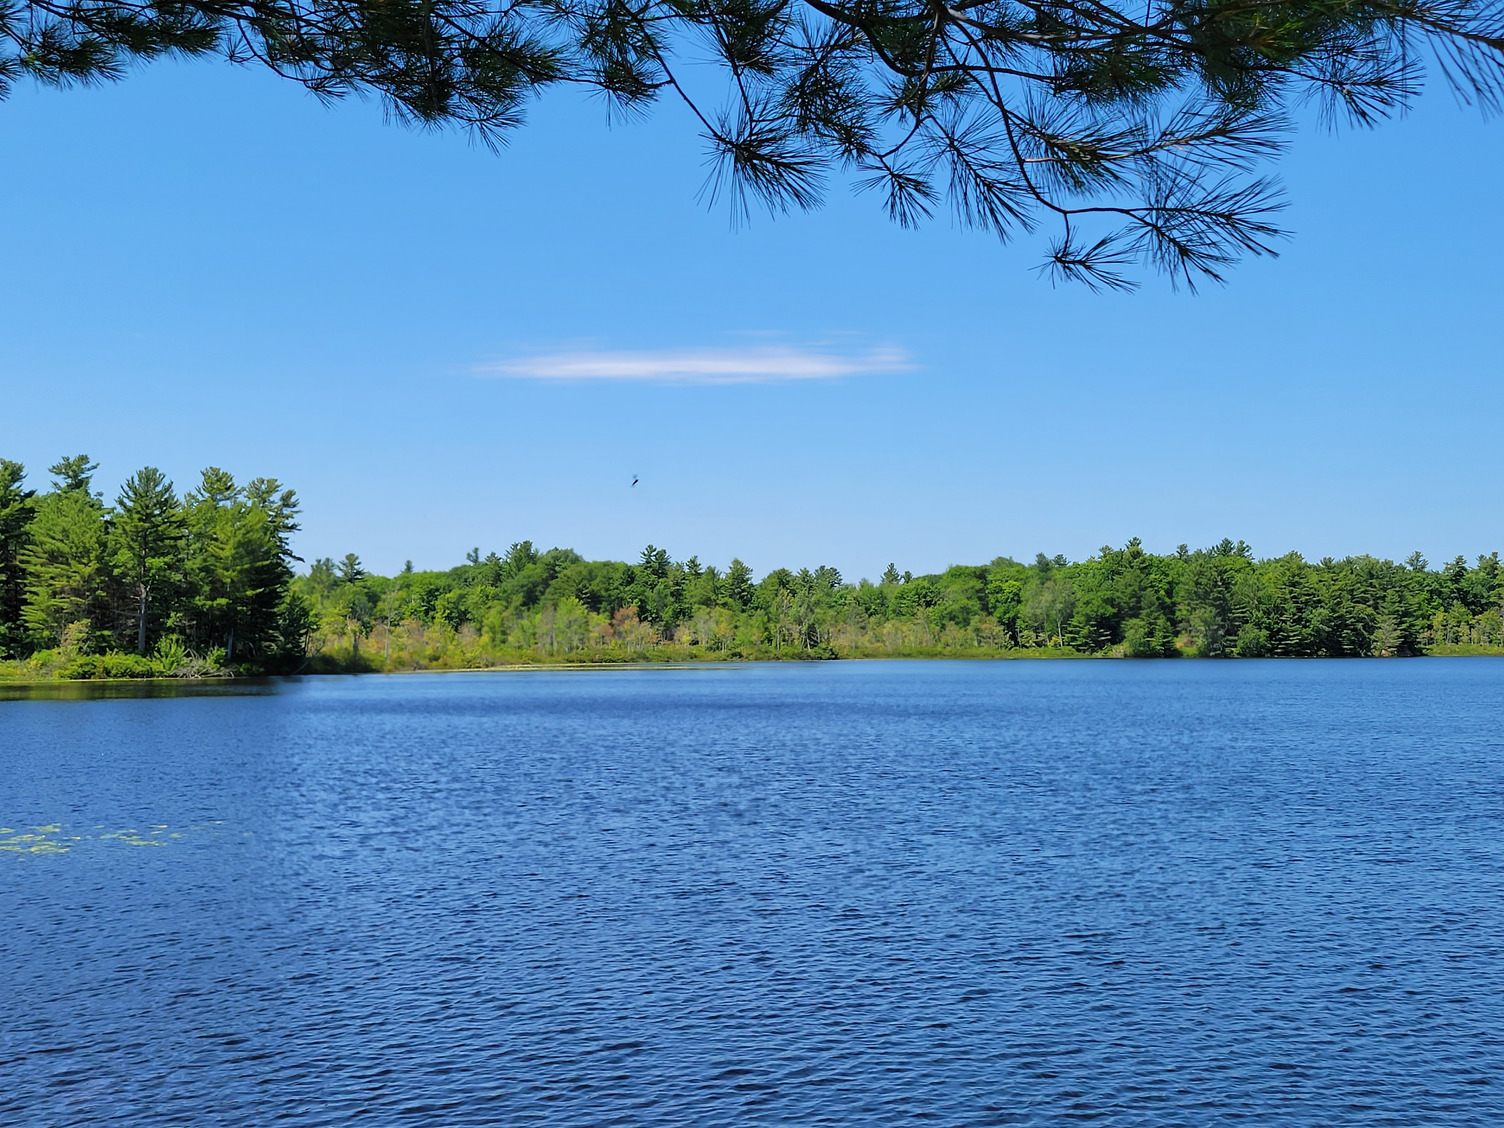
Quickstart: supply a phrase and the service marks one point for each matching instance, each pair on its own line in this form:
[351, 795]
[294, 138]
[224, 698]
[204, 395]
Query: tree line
[155, 583]
[527, 605]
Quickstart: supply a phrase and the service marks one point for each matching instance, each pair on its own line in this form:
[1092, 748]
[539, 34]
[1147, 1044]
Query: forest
[1219, 602]
[206, 585]
[155, 585]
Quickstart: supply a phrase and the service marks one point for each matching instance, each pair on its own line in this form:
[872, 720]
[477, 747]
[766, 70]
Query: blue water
[1176, 893]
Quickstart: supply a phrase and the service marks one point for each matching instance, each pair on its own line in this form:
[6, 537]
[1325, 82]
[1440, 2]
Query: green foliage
[17, 508]
[204, 586]
[288, 646]
[1136, 129]
[166, 578]
[72, 474]
[112, 665]
[145, 545]
[238, 563]
[171, 654]
[350, 569]
[170, 659]
[65, 569]
[1253, 642]
[532, 606]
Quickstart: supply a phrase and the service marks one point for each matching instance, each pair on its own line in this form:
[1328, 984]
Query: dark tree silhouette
[1137, 129]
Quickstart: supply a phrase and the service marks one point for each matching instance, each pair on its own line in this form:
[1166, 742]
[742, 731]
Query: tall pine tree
[239, 561]
[146, 547]
[17, 507]
[64, 561]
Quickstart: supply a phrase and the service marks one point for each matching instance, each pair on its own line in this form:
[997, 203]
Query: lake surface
[1037, 893]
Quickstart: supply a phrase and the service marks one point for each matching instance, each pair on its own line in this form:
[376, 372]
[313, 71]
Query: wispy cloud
[746, 365]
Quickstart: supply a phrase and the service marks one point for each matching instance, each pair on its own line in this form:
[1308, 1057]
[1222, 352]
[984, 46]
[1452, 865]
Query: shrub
[1252, 642]
[112, 665]
[170, 656]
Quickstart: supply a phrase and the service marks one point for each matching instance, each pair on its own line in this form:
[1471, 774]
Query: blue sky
[205, 265]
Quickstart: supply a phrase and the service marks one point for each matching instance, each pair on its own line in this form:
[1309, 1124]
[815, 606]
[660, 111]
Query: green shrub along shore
[205, 585]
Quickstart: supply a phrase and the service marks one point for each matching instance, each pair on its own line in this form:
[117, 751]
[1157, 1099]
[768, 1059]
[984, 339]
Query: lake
[847, 893]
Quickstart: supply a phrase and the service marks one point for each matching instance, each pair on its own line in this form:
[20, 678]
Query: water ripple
[1119, 894]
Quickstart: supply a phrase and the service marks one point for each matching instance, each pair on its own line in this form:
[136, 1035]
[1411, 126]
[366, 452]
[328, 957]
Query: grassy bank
[130, 667]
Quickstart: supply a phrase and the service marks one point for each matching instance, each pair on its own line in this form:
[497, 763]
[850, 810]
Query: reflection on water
[126, 688]
[1134, 894]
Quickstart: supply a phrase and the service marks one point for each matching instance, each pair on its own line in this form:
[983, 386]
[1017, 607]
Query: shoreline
[8, 681]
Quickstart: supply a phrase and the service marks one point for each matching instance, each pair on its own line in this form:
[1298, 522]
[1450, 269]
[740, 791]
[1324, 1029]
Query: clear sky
[203, 265]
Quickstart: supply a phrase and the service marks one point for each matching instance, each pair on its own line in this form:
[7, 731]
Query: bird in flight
[634, 479]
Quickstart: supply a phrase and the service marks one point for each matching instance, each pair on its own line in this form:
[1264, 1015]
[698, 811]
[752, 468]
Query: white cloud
[748, 365]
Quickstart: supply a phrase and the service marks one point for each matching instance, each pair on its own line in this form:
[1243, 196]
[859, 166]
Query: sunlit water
[1150, 894]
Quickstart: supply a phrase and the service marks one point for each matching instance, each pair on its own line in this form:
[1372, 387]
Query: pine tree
[350, 569]
[239, 561]
[17, 508]
[64, 561]
[146, 545]
[1135, 129]
[73, 473]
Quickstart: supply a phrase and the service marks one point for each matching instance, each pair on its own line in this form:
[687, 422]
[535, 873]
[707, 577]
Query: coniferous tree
[739, 584]
[350, 569]
[146, 546]
[1134, 129]
[239, 561]
[209, 558]
[64, 561]
[75, 472]
[17, 507]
